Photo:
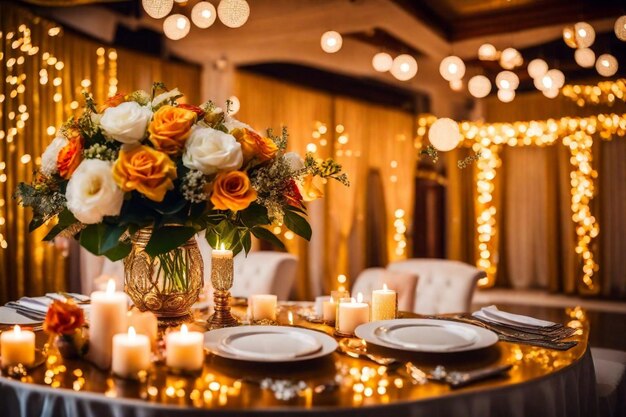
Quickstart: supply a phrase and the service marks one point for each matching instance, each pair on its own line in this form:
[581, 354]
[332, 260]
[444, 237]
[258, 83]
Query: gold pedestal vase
[167, 284]
[222, 281]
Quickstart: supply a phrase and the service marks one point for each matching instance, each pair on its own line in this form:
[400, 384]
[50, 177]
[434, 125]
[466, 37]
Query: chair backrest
[265, 272]
[444, 286]
[402, 282]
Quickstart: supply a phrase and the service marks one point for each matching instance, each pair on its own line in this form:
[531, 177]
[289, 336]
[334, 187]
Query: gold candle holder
[222, 281]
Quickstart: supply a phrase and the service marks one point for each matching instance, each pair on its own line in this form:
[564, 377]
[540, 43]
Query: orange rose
[170, 128]
[232, 191]
[63, 317]
[254, 146]
[146, 170]
[309, 189]
[197, 110]
[112, 101]
[70, 155]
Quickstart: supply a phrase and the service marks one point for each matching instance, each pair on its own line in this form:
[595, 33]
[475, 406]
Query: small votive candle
[263, 307]
[131, 354]
[319, 304]
[146, 323]
[184, 350]
[17, 346]
[329, 310]
[351, 314]
[384, 304]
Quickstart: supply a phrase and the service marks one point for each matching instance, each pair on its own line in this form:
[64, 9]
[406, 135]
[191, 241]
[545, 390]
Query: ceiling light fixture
[585, 57]
[382, 62]
[157, 9]
[404, 67]
[620, 28]
[606, 65]
[479, 86]
[452, 68]
[233, 13]
[203, 14]
[537, 68]
[176, 26]
[487, 52]
[331, 41]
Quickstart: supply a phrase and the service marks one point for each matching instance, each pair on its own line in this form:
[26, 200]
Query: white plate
[10, 316]
[269, 343]
[426, 335]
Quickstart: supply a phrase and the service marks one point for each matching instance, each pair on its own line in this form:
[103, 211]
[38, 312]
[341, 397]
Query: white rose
[209, 150]
[126, 122]
[92, 193]
[295, 161]
[231, 124]
[51, 154]
[165, 96]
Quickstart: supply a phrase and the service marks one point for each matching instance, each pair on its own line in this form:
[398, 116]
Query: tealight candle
[329, 310]
[145, 323]
[351, 314]
[384, 304]
[319, 304]
[17, 346]
[184, 350]
[106, 319]
[131, 354]
[263, 307]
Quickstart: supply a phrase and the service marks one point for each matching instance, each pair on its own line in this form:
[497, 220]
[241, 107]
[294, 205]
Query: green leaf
[264, 234]
[35, 223]
[100, 238]
[246, 241]
[119, 252]
[298, 224]
[167, 238]
[66, 219]
[254, 215]
[296, 209]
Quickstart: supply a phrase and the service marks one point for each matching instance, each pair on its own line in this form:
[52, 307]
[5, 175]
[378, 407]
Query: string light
[399, 236]
[573, 132]
[605, 92]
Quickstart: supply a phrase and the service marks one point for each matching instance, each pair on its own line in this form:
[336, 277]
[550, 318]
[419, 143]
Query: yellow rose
[254, 146]
[170, 128]
[309, 189]
[145, 170]
[232, 191]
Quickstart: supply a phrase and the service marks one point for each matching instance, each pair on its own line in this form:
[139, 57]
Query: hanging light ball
[479, 86]
[584, 34]
[506, 96]
[606, 65]
[382, 62]
[157, 9]
[203, 14]
[444, 134]
[620, 28]
[331, 41]
[487, 52]
[452, 68]
[544, 83]
[551, 92]
[585, 57]
[234, 105]
[557, 76]
[537, 68]
[568, 36]
[404, 67]
[176, 26]
[233, 13]
[510, 58]
[456, 85]
[507, 80]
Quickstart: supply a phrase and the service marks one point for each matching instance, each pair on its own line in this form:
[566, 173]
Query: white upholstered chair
[610, 366]
[374, 278]
[443, 286]
[265, 273]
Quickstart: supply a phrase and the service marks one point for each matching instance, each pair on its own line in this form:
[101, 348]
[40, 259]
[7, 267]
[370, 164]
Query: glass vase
[167, 284]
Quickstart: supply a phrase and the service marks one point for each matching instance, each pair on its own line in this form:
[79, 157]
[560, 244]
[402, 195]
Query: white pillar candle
[106, 319]
[263, 307]
[146, 323]
[319, 304]
[17, 346]
[131, 354]
[352, 314]
[384, 304]
[329, 310]
[184, 350]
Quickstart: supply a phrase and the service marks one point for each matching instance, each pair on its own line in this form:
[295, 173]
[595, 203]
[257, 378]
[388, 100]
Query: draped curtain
[51, 64]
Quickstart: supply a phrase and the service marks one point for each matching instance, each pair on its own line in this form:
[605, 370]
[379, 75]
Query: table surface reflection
[337, 381]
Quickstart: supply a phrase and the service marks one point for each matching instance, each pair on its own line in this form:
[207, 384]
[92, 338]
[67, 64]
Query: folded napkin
[36, 307]
[493, 315]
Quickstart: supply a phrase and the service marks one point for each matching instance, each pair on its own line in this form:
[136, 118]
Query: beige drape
[39, 267]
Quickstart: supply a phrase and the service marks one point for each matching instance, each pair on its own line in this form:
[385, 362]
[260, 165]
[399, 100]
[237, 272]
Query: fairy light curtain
[569, 150]
[43, 70]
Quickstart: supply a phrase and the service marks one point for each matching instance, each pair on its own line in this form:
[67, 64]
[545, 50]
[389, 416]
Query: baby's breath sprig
[280, 141]
[100, 151]
[194, 187]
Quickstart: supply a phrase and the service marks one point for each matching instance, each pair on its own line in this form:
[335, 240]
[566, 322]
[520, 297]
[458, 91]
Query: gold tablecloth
[336, 384]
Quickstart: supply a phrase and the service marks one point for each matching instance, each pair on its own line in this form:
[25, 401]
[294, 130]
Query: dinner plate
[269, 343]
[426, 335]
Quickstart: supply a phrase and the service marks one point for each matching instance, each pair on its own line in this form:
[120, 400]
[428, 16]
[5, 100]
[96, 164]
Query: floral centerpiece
[139, 176]
[64, 322]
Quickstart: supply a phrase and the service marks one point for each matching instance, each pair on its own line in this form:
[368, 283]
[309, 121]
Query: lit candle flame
[332, 300]
[385, 287]
[110, 286]
[290, 317]
[17, 329]
[131, 332]
[183, 329]
[222, 247]
[359, 297]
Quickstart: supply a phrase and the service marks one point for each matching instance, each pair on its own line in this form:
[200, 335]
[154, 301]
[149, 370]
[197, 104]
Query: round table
[542, 382]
